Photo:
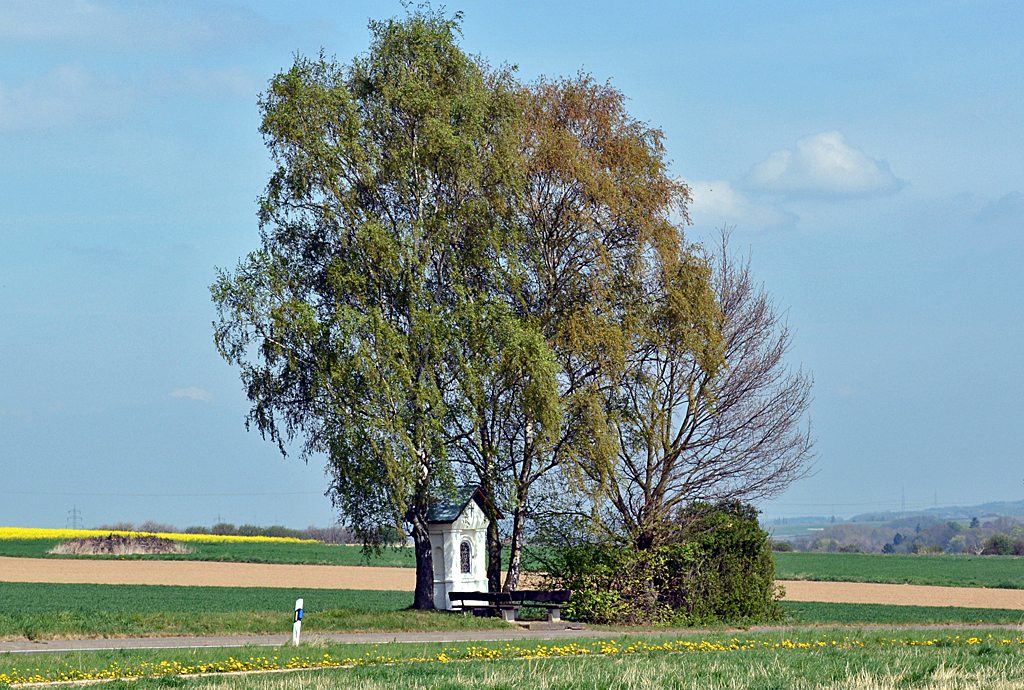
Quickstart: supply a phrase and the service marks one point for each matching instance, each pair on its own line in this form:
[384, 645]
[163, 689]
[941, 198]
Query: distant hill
[801, 520]
[993, 509]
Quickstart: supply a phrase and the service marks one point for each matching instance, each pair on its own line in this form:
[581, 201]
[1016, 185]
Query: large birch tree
[378, 228]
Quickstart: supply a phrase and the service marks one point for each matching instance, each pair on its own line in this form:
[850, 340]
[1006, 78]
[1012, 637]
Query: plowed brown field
[905, 595]
[215, 574]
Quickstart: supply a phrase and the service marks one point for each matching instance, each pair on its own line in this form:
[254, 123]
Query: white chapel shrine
[458, 539]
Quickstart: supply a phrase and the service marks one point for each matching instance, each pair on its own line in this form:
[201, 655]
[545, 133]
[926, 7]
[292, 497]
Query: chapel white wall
[445, 541]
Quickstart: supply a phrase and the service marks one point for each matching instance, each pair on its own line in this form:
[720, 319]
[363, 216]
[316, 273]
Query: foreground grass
[791, 660]
[943, 570]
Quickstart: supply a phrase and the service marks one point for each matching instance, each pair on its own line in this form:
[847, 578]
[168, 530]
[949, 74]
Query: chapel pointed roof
[449, 509]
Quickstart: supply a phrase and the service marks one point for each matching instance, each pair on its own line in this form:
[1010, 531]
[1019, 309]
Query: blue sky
[869, 155]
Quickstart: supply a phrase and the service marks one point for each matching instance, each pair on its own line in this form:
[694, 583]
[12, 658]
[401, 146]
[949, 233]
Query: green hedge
[719, 566]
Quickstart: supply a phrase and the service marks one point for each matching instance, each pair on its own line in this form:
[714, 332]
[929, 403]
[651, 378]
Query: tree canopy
[379, 225]
[464, 276]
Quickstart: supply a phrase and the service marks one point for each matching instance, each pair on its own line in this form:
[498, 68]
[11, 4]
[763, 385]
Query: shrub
[998, 545]
[723, 566]
[610, 583]
[720, 567]
[224, 528]
[824, 544]
[783, 546]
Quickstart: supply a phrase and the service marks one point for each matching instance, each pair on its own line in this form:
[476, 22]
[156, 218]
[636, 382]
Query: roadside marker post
[297, 625]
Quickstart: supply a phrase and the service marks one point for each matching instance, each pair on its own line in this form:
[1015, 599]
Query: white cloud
[715, 203]
[825, 165]
[193, 393]
[67, 95]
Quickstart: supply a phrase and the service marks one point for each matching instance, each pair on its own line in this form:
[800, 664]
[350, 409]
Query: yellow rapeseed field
[601, 648]
[65, 534]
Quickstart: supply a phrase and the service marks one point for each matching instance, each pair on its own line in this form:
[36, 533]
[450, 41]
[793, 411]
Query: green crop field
[262, 552]
[38, 611]
[852, 660]
[942, 570]
[821, 613]
[37, 598]
[247, 552]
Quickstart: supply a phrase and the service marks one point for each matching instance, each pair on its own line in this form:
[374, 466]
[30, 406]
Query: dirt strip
[905, 595]
[205, 574]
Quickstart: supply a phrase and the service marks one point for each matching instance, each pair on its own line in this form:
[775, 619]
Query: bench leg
[508, 615]
[554, 615]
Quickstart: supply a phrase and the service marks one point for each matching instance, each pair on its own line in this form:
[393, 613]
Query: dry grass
[906, 670]
[119, 545]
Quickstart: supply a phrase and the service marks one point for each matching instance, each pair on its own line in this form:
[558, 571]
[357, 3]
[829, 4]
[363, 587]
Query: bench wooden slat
[509, 603]
[557, 596]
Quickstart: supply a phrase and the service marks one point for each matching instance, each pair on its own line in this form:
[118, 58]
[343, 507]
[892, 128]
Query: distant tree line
[919, 535]
[329, 535]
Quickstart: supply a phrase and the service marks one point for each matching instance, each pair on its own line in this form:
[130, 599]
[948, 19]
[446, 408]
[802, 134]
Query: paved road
[444, 637]
[282, 640]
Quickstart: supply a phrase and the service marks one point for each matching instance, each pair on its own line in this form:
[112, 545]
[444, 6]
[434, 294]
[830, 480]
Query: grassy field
[36, 611]
[299, 553]
[313, 554]
[944, 570]
[839, 659]
[820, 613]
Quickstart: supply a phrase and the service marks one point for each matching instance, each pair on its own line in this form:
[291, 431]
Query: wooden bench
[507, 604]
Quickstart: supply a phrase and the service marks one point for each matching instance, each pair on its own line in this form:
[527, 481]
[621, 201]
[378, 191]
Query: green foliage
[721, 568]
[1003, 545]
[610, 583]
[381, 234]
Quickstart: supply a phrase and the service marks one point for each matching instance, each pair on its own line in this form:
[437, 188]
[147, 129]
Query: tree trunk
[424, 597]
[488, 481]
[493, 557]
[515, 559]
